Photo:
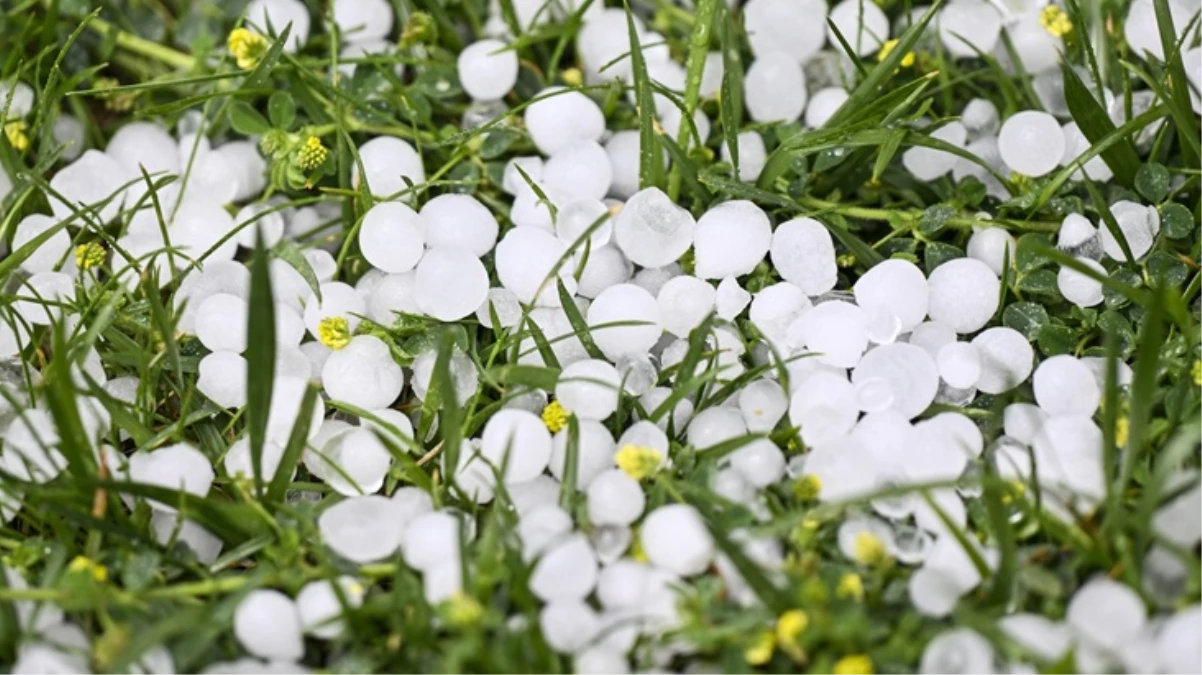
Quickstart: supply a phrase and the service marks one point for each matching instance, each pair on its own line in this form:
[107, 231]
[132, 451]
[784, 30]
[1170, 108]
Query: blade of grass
[260, 356]
[294, 449]
[651, 159]
[1093, 121]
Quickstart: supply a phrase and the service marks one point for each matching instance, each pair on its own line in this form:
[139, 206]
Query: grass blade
[651, 159]
[1093, 121]
[260, 356]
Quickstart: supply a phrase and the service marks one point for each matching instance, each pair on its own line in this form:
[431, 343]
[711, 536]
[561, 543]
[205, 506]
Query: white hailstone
[932, 336]
[680, 414]
[1106, 613]
[763, 404]
[450, 283]
[526, 260]
[362, 20]
[1077, 144]
[221, 323]
[259, 218]
[1022, 421]
[1192, 60]
[775, 308]
[958, 650]
[387, 162]
[512, 181]
[653, 279]
[320, 607]
[625, 319]
[568, 625]
[16, 99]
[615, 498]
[793, 27]
[391, 237]
[289, 326]
[354, 463]
[462, 370]
[731, 239]
[1178, 644]
[675, 538]
[559, 117]
[1067, 451]
[363, 374]
[222, 378]
[540, 526]
[623, 151]
[716, 425]
[322, 263]
[825, 408]
[730, 299]
[594, 452]
[910, 372]
[431, 541]
[582, 217]
[835, 331]
[1142, 29]
[337, 300]
[959, 364]
[1006, 359]
[199, 225]
[238, 459]
[278, 14]
[394, 294]
[144, 145]
[1031, 143]
[990, 246]
[1139, 224]
[267, 625]
[316, 353]
[927, 164]
[803, 253]
[964, 294]
[1040, 636]
[863, 25]
[567, 570]
[969, 27]
[933, 592]
[175, 467]
[1064, 385]
[761, 462]
[774, 88]
[90, 180]
[47, 255]
[980, 116]
[580, 169]
[823, 104]
[1078, 288]
[532, 210]
[1178, 521]
[600, 660]
[589, 389]
[752, 155]
[897, 287]
[249, 167]
[714, 70]
[518, 441]
[651, 230]
[504, 303]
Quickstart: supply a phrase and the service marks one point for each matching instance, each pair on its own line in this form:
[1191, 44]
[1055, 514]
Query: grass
[166, 58]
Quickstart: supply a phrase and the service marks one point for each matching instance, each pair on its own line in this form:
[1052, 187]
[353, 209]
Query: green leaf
[1093, 121]
[75, 445]
[1054, 339]
[1178, 88]
[1167, 270]
[246, 120]
[1152, 181]
[934, 218]
[1176, 221]
[651, 159]
[730, 105]
[1042, 282]
[937, 253]
[1025, 317]
[282, 110]
[260, 356]
[538, 377]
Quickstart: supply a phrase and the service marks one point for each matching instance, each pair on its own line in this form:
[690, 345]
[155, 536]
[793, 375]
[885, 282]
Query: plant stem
[137, 45]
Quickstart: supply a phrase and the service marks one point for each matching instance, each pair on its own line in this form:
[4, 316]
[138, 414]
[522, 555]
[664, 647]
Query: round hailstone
[1038, 49]
[567, 570]
[580, 169]
[1006, 359]
[959, 364]
[1142, 30]
[774, 88]
[1106, 612]
[16, 98]
[863, 25]
[653, 280]
[568, 626]
[933, 592]
[651, 230]
[625, 320]
[1178, 645]
[1068, 453]
[199, 224]
[286, 398]
[1031, 143]
[337, 300]
[146, 145]
[825, 408]
[910, 372]
[1064, 385]
[450, 284]
[584, 216]
[990, 246]
[363, 374]
[221, 323]
[42, 298]
[927, 164]
[462, 370]
[238, 460]
[823, 104]
[1139, 224]
[249, 167]
[393, 295]
[752, 155]
[932, 336]
[512, 181]
[50, 252]
[1078, 288]
[175, 467]
[355, 462]
[980, 117]
[362, 529]
[963, 294]
[559, 117]
[518, 441]
[794, 27]
[775, 308]
[713, 426]
[623, 151]
[763, 403]
[540, 526]
[432, 541]
[279, 14]
[835, 331]
[1044, 638]
[594, 452]
[526, 261]
[320, 608]
[267, 625]
[761, 462]
[676, 539]
[897, 287]
[731, 239]
[93, 178]
[803, 253]
[605, 267]
[387, 162]
[959, 650]
[488, 69]
[1022, 421]
[615, 498]
[222, 378]
[589, 389]
[969, 27]
[391, 237]
[504, 303]
[1192, 60]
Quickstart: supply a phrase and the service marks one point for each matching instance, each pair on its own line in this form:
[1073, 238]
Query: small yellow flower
[312, 154]
[1055, 21]
[850, 586]
[760, 650]
[89, 255]
[1196, 372]
[888, 47]
[247, 47]
[572, 77]
[15, 132]
[807, 488]
[84, 565]
[463, 610]
[791, 625]
[334, 332]
[869, 549]
[555, 417]
[639, 461]
[1122, 427]
[636, 549]
[845, 260]
[856, 664]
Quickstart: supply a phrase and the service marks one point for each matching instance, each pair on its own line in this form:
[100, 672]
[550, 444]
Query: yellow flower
[639, 461]
[83, 564]
[807, 488]
[334, 332]
[247, 47]
[1196, 372]
[850, 586]
[312, 154]
[845, 260]
[1122, 427]
[760, 650]
[791, 625]
[1055, 21]
[636, 549]
[856, 664]
[888, 47]
[463, 609]
[15, 132]
[555, 417]
[89, 255]
[572, 77]
[869, 549]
